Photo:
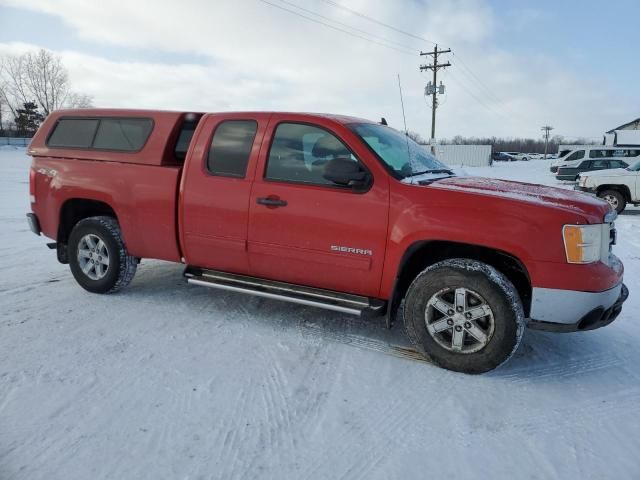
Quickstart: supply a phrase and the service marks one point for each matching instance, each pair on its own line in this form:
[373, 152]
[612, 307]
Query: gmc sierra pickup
[328, 211]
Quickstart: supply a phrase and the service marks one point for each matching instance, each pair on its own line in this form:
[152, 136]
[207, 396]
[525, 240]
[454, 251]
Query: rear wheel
[464, 315]
[98, 258]
[615, 199]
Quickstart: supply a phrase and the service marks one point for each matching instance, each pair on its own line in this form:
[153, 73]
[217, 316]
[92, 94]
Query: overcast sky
[517, 65]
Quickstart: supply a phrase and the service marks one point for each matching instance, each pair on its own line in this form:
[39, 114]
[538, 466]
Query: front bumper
[567, 178]
[571, 311]
[34, 223]
[589, 190]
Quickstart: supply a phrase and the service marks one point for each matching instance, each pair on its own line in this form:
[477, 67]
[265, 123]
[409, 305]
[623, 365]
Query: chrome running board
[288, 292]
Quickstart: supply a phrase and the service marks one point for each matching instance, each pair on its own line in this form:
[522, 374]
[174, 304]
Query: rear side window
[73, 133]
[124, 134]
[599, 164]
[231, 147]
[118, 134]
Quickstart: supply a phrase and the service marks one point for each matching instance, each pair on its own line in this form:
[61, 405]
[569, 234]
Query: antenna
[404, 119]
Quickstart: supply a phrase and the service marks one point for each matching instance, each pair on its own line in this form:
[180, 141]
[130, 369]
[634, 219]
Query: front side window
[617, 164]
[231, 148]
[300, 152]
[576, 155]
[123, 134]
[402, 156]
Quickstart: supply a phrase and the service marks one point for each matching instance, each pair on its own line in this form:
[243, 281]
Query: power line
[494, 98]
[405, 52]
[472, 95]
[408, 48]
[480, 82]
[379, 22]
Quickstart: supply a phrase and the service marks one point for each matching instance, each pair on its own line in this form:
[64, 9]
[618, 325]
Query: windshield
[402, 156]
[635, 166]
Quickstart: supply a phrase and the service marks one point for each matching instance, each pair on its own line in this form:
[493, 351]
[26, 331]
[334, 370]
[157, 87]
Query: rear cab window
[103, 133]
[230, 148]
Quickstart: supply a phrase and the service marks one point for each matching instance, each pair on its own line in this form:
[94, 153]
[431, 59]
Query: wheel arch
[422, 254]
[624, 189]
[74, 210]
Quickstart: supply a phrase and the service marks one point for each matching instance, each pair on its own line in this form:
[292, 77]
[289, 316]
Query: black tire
[525, 159]
[619, 203]
[494, 289]
[121, 266]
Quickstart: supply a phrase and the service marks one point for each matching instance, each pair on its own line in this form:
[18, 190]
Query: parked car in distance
[595, 151]
[326, 211]
[619, 186]
[571, 171]
[502, 157]
[518, 156]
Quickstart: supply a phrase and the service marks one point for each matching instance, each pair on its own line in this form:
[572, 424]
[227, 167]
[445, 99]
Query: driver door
[303, 228]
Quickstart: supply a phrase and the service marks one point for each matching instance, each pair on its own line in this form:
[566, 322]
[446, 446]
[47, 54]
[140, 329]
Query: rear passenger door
[307, 230]
[215, 190]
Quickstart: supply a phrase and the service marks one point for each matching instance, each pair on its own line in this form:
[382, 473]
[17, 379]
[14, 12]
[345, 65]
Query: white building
[626, 135]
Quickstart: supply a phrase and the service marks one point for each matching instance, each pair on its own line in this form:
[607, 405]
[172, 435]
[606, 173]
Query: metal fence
[15, 141]
[464, 155]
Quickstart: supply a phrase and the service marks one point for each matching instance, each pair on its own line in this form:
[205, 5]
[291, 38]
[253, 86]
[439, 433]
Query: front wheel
[464, 315]
[615, 199]
[98, 257]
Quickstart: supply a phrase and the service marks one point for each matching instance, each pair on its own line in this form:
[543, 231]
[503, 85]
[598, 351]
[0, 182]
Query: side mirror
[348, 173]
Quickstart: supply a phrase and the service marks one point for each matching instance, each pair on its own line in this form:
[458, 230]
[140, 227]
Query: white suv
[618, 186]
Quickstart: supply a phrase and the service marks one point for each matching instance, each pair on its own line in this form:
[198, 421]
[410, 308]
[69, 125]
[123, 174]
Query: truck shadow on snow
[541, 356]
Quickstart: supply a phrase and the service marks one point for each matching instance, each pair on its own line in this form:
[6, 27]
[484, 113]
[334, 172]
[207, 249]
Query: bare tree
[37, 77]
[415, 136]
[78, 100]
[47, 80]
[13, 84]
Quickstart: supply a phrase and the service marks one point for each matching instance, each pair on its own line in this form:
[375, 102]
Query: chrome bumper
[571, 311]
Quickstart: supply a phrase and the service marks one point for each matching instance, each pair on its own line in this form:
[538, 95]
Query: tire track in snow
[363, 342]
[562, 369]
[293, 408]
[232, 433]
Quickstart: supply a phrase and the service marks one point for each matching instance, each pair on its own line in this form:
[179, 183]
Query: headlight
[582, 243]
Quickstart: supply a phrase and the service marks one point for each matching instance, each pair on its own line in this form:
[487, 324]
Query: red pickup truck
[329, 211]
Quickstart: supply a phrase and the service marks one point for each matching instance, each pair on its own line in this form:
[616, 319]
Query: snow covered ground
[169, 381]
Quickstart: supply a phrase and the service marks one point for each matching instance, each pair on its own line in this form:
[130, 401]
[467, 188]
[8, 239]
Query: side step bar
[314, 297]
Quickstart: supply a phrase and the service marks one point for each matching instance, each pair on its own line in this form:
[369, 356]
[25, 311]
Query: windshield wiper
[434, 170]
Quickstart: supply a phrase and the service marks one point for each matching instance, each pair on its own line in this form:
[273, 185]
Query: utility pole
[546, 129]
[433, 90]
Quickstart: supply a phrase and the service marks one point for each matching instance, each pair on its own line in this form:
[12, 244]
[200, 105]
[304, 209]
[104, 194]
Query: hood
[592, 208]
[612, 172]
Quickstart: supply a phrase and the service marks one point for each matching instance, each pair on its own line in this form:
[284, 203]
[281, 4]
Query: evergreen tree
[28, 119]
